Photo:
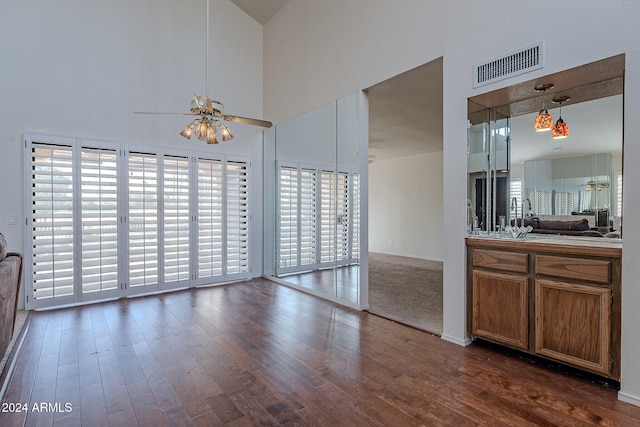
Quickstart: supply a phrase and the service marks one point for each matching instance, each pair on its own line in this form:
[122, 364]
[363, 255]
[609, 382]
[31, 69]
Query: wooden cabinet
[508, 295]
[560, 302]
[573, 324]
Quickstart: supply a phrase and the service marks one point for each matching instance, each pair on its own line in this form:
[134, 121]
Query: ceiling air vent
[514, 63]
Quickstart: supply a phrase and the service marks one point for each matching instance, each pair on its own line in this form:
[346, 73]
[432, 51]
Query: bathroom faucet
[514, 207]
[523, 211]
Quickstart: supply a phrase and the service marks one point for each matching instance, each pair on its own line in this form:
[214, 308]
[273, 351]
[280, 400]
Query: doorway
[406, 197]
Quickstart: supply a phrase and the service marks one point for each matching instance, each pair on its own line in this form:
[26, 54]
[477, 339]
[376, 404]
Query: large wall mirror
[516, 172]
[312, 201]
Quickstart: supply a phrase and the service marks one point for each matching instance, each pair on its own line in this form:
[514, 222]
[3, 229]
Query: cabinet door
[573, 324]
[499, 308]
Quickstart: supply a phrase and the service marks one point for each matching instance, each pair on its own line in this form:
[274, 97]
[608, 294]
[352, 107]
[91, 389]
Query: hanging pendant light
[543, 121]
[560, 129]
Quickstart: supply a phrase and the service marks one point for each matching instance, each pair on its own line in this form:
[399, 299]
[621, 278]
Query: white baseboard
[465, 342]
[629, 398]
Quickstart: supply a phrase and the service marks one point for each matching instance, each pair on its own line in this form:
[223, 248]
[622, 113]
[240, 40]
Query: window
[107, 220]
[143, 219]
[298, 218]
[288, 217]
[99, 218]
[176, 222]
[328, 221]
[209, 218]
[319, 223]
[237, 218]
[515, 190]
[52, 229]
[618, 195]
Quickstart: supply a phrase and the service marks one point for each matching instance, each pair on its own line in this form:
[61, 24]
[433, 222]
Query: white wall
[405, 206]
[81, 69]
[316, 52]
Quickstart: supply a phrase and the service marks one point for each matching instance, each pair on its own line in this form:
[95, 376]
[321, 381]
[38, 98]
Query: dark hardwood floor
[259, 353]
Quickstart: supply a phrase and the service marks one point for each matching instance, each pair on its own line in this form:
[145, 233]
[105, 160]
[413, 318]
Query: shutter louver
[52, 221]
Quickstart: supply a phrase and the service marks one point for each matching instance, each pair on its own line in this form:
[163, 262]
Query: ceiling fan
[210, 112]
[595, 186]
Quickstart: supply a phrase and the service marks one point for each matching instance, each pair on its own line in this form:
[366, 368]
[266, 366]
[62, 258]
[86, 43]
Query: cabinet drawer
[501, 260]
[592, 270]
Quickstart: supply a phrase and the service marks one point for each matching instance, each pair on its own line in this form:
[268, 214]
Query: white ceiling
[261, 10]
[405, 113]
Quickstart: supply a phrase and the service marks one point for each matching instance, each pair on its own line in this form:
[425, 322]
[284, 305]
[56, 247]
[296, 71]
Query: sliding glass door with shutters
[223, 220]
[297, 218]
[107, 220]
[176, 221]
[99, 219]
[143, 222]
[318, 218]
[237, 219]
[51, 227]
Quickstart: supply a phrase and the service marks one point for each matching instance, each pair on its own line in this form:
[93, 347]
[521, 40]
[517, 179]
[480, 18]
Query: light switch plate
[12, 219]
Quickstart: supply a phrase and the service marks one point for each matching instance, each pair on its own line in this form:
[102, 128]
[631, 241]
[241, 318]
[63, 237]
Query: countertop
[595, 246]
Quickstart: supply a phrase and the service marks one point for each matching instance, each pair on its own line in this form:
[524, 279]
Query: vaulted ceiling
[261, 10]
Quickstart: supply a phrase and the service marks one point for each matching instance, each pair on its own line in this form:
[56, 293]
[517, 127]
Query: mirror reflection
[570, 186]
[313, 184]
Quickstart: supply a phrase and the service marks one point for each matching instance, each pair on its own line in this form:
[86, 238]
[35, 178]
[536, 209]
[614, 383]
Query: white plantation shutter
[143, 219]
[106, 220]
[176, 218]
[52, 221]
[99, 207]
[328, 220]
[307, 216]
[297, 243]
[618, 195]
[209, 218]
[288, 217]
[515, 190]
[343, 217]
[237, 217]
[355, 209]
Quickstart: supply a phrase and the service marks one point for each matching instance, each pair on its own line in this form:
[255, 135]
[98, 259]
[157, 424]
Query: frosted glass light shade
[225, 133]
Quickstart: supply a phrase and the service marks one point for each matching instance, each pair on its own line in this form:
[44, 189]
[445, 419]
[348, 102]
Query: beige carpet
[407, 290]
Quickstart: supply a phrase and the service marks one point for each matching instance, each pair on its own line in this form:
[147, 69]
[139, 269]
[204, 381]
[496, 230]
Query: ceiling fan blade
[248, 121]
[153, 112]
